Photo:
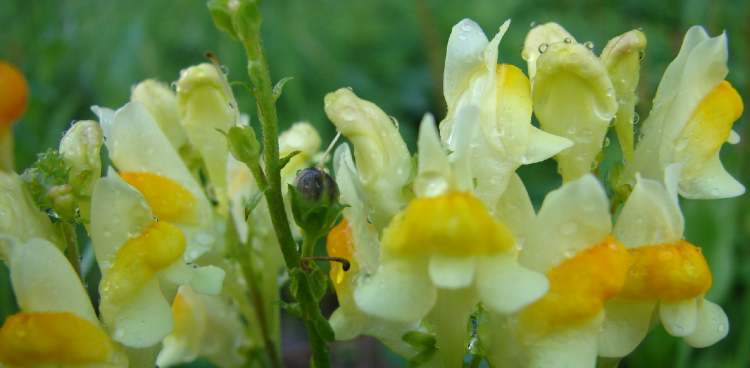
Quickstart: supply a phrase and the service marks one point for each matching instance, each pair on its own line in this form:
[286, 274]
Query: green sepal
[316, 218]
[278, 88]
[243, 144]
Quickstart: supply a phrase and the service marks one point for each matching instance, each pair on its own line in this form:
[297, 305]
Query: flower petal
[622, 57]
[399, 291]
[538, 41]
[712, 326]
[572, 347]
[625, 326]
[515, 210]
[679, 318]
[43, 280]
[466, 46]
[574, 98]
[571, 219]
[146, 320]
[434, 174]
[651, 215]
[712, 182]
[505, 286]
[383, 161]
[120, 212]
[452, 272]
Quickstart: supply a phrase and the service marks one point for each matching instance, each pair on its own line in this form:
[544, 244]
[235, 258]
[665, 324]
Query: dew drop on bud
[589, 45]
[543, 48]
[568, 40]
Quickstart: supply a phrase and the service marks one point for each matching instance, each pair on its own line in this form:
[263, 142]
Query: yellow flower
[383, 160]
[586, 267]
[572, 93]
[134, 251]
[57, 324]
[502, 137]
[207, 107]
[204, 326]
[692, 117]
[161, 103]
[668, 273]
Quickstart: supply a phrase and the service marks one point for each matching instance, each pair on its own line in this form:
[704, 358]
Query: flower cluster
[449, 254]
[437, 255]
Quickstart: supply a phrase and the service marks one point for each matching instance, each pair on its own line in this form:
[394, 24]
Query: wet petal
[712, 326]
[506, 287]
[651, 215]
[399, 291]
[679, 318]
[625, 326]
[452, 272]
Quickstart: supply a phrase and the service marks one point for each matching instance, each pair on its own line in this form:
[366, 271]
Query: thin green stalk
[308, 245]
[68, 233]
[257, 68]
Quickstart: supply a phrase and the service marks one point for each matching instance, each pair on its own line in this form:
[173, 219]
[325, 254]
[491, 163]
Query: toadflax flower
[440, 255]
[135, 251]
[667, 273]
[503, 138]
[56, 325]
[205, 326]
[586, 266]
[573, 96]
[692, 116]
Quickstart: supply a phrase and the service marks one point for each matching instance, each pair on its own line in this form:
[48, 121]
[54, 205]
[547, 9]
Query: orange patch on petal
[169, 200]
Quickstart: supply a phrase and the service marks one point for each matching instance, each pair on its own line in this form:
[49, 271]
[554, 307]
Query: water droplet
[636, 117]
[641, 55]
[606, 142]
[543, 48]
[532, 24]
[224, 69]
[568, 254]
[681, 145]
[589, 45]
[568, 40]
[466, 26]
[173, 86]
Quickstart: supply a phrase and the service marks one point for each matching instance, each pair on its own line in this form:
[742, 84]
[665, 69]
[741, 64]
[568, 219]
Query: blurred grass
[81, 53]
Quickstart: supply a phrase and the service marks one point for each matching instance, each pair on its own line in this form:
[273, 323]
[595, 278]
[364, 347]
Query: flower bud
[14, 94]
[315, 185]
[80, 149]
[315, 201]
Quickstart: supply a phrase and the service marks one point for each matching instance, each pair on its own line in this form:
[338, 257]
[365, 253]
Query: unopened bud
[315, 185]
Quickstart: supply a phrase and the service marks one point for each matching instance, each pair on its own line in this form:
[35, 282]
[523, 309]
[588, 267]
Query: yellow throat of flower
[29, 339]
[137, 262]
[579, 286]
[169, 200]
[454, 224]
[671, 272]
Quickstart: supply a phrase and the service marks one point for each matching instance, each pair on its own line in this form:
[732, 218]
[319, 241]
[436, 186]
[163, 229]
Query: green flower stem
[257, 68]
[68, 233]
[6, 149]
[308, 245]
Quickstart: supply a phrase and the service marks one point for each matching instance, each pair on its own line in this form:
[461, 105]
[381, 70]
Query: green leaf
[253, 202]
[285, 160]
[318, 282]
[278, 88]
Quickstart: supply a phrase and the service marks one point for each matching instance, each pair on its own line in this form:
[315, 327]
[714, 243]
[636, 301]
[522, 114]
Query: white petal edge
[452, 272]
[466, 46]
[146, 320]
[399, 291]
[626, 324]
[679, 318]
[505, 287]
[713, 325]
[713, 182]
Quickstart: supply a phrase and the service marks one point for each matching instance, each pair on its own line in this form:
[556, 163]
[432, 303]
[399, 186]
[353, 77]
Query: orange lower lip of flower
[579, 287]
[669, 272]
[27, 339]
[340, 243]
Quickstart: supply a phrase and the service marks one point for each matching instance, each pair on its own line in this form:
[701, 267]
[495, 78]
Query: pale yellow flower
[571, 242]
[692, 117]
[667, 273]
[57, 325]
[502, 137]
[573, 96]
[204, 326]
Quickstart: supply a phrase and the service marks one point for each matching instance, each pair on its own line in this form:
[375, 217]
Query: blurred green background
[81, 53]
